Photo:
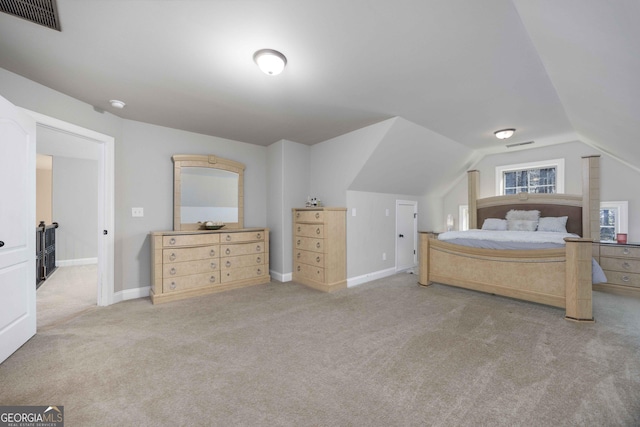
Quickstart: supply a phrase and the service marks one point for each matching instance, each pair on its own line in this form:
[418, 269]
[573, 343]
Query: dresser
[320, 248]
[192, 263]
[621, 265]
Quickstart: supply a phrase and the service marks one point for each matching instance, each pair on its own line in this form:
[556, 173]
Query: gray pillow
[494, 224]
[557, 224]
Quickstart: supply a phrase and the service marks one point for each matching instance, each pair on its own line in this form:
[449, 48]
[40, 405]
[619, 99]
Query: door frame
[106, 208]
[415, 232]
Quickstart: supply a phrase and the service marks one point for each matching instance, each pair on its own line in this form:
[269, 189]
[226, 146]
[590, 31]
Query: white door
[406, 231]
[17, 228]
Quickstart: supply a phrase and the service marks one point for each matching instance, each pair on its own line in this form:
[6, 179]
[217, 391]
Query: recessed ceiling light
[270, 61]
[504, 133]
[117, 104]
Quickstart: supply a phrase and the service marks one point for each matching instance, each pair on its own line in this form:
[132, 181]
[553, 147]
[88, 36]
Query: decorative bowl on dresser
[621, 265]
[319, 248]
[192, 263]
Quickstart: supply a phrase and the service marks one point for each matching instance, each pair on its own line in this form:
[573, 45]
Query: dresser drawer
[242, 261]
[233, 274]
[175, 284]
[305, 271]
[620, 251]
[309, 244]
[310, 258]
[245, 236]
[625, 265]
[310, 230]
[309, 216]
[176, 269]
[241, 249]
[190, 240]
[625, 279]
[189, 254]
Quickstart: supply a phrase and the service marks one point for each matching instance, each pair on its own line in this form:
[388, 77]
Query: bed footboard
[556, 277]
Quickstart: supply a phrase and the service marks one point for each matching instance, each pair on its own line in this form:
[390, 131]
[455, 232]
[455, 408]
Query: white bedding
[492, 239]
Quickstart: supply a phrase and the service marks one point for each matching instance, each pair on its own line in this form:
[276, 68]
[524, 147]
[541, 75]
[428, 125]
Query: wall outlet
[384, 256]
[137, 212]
[353, 211]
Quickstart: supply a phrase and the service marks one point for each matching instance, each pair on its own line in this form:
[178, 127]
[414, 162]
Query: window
[463, 217]
[537, 177]
[613, 219]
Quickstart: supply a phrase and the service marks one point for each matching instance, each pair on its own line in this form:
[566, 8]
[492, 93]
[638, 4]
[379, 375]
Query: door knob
[401, 235]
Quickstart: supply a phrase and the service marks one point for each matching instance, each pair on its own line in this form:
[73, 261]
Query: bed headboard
[583, 210]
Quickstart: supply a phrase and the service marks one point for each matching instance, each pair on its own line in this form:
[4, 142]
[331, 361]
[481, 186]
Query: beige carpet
[385, 353]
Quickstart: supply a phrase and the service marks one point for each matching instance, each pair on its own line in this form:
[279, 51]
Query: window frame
[622, 224]
[557, 163]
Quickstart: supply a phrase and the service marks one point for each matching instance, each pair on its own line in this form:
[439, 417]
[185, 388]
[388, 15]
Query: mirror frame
[204, 161]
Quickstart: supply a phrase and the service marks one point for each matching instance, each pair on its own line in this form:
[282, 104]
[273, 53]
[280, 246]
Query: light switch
[353, 211]
[137, 212]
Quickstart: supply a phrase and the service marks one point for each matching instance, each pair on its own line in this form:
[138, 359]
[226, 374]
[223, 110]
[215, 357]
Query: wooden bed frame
[556, 277]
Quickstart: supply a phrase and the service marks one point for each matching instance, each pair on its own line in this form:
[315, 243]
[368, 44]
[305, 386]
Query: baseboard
[355, 281]
[79, 261]
[281, 277]
[134, 293]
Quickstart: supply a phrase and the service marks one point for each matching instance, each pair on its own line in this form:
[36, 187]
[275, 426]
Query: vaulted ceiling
[459, 68]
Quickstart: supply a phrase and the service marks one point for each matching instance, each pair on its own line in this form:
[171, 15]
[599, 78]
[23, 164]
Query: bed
[557, 276]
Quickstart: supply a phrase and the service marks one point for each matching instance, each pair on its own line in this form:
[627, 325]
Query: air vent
[42, 12]
[517, 144]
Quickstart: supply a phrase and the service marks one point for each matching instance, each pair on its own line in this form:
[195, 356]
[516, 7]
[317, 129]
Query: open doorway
[65, 140]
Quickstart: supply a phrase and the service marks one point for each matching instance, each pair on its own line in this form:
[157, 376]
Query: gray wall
[75, 207]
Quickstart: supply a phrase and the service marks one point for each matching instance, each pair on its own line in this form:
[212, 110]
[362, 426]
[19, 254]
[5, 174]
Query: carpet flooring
[385, 353]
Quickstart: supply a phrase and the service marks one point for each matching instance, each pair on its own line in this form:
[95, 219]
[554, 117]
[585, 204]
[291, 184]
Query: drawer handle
[317, 215]
[259, 271]
[298, 242]
[212, 279]
[172, 241]
[172, 271]
[258, 236]
[318, 272]
[227, 264]
[213, 265]
[212, 252]
[173, 286]
[318, 259]
[626, 265]
[299, 255]
[297, 214]
[318, 245]
[258, 260]
[298, 229]
[228, 251]
[318, 230]
[298, 268]
[228, 238]
[625, 251]
[172, 257]
[258, 248]
[625, 278]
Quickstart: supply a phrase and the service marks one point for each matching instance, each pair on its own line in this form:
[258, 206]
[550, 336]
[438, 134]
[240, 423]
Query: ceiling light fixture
[504, 133]
[270, 61]
[117, 104]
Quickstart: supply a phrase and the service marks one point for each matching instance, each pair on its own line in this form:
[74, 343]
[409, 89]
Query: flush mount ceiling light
[504, 133]
[270, 61]
[117, 104]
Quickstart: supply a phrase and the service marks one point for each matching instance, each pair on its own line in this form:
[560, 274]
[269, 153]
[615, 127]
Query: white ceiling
[460, 68]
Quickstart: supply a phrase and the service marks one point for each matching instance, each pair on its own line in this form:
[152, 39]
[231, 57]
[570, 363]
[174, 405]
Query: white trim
[463, 217]
[106, 210]
[557, 163]
[287, 277]
[134, 293]
[77, 261]
[355, 281]
[622, 225]
[415, 233]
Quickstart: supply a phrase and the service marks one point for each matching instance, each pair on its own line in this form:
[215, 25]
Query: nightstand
[621, 265]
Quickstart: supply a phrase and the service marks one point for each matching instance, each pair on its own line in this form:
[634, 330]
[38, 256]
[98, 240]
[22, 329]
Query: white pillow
[494, 224]
[521, 225]
[552, 223]
[515, 215]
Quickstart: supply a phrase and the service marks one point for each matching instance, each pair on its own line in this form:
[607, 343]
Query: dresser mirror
[207, 188]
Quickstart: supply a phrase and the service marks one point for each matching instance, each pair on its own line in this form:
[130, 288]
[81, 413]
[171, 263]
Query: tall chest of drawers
[320, 248]
[193, 263]
[621, 265]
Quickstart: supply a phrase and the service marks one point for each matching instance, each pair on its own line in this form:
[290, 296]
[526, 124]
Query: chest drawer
[310, 258]
[242, 261]
[246, 236]
[189, 254]
[310, 230]
[309, 272]
[176, 269]
[309, 216]
[174, 284]
[190, 240]
[242, 249]
[233, 274]
[620, 251]
[627, 265]
[625, 279]
[309, 244]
